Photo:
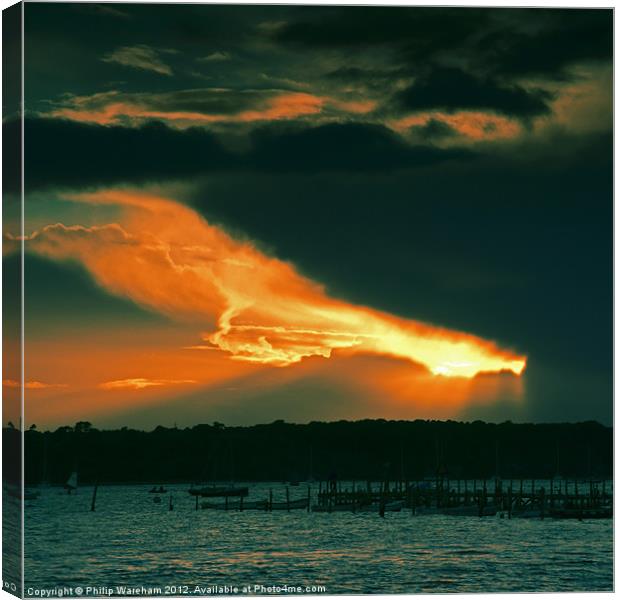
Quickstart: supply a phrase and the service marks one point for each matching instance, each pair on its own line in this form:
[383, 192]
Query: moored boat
[236, 505]
[291, 505]
[218, 491]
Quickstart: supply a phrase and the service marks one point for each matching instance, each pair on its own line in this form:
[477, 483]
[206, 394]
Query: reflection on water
[130, 540]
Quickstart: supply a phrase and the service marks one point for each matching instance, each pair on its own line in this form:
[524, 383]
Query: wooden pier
[519, 499]
[538, 499]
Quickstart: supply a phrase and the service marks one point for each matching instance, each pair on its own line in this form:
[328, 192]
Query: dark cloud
[68, 153]
[141, 57]
[371, 79]
[424, 29]
[11, 60]
[201, 101]
[12, 156]
[454, 89]
[506, 42]
[432, 130]
[518, 250]
[353, 147]
[563, 38]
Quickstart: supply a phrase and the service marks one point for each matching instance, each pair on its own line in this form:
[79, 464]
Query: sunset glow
[258, 309]
[111, 107]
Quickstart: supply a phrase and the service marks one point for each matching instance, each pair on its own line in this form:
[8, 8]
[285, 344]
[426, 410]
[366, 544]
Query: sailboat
[72, 482]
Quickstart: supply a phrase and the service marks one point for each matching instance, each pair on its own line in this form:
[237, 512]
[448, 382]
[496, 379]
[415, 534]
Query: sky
[250, 213]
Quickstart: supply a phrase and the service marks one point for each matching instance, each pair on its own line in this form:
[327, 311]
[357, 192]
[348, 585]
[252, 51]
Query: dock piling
[94, 500]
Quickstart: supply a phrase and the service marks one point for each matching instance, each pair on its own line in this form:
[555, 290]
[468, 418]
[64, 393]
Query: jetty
[511, 499]
[555, 498]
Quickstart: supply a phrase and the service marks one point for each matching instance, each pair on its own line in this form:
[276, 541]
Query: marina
[556, 498]
[406, 552]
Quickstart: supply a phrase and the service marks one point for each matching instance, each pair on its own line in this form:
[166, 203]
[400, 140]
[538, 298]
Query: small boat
[158, 490]
[236, 505]
[291, 505]
[218, 492]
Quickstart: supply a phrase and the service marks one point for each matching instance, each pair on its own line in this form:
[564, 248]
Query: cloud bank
[257, 308]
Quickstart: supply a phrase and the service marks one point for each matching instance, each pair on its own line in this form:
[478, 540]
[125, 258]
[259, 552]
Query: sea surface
[132, 542]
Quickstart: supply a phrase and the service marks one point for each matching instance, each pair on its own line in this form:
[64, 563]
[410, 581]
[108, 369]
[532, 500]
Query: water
[132, 541]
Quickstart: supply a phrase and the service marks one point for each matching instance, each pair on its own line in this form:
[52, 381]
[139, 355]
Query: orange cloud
[32, 385]
[139, 383]
[113, 107]
[258, 309]
[477, 126]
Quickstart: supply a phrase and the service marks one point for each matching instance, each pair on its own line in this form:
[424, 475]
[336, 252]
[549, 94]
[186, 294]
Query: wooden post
[288, 501]
[226, 503]
[551, 493]
[92, 504]
[510, 500]
[308, 507]
[240, 503]
[170, 503]
[270, 499]
[196, 501]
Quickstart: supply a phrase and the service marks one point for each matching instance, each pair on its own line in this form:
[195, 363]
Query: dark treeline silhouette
[360, 450]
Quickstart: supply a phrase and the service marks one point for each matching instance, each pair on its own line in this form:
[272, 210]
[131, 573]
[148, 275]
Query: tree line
[279, 451]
